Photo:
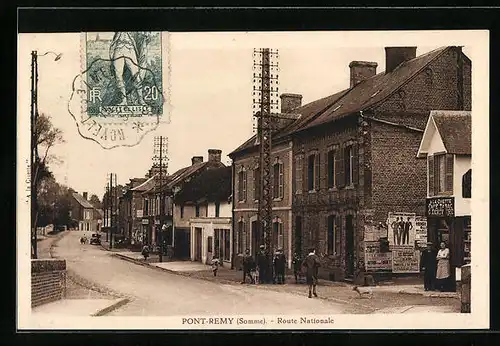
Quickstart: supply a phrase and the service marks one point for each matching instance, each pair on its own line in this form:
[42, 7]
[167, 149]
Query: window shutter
[244, 185]
[339, 165]
[329, 168]
[355, 170]
[449, 173]
[324, 170]
[317, 172]
[430, 175]
[298, 174]
[281, 181]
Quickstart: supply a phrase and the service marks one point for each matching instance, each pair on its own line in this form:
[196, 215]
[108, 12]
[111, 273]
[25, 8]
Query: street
[155, 293]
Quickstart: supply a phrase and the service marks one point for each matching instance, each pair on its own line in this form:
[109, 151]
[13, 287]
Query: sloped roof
[186, 172]
[455, 129]
[307, 112]
[375, 89]
[148, 184]
[360, 97]
[213, 184]
[82, 201]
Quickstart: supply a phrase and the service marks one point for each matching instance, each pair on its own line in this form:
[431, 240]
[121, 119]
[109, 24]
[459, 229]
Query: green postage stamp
[122, 92]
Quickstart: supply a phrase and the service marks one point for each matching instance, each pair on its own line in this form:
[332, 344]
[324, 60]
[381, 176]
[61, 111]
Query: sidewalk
[403, 297]
[78, 307]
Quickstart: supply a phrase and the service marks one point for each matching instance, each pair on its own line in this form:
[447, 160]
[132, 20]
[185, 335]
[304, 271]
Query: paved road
[156, 293]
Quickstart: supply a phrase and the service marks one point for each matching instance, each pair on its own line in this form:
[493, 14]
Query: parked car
[96, 239]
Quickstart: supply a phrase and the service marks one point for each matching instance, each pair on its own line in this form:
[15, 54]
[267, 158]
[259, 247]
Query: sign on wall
[401, 229]
[139, 213]
[441, 206]
[376, 260]
[420, 232]
[405, 259]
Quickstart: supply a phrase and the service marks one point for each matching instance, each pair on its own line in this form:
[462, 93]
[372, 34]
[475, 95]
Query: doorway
[181, 247]
[197, 244]
[349, 245]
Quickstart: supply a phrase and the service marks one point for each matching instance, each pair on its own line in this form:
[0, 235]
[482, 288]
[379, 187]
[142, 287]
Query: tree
[94, 200]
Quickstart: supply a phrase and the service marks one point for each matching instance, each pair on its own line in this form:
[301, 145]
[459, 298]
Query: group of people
[257, 270]
[401, 231]
[436, 267]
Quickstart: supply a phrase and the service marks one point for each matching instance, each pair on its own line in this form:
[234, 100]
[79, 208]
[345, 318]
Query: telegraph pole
[159, 156]
[266, 111]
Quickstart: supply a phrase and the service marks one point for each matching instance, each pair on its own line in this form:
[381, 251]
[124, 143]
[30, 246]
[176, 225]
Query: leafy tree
[94, 200]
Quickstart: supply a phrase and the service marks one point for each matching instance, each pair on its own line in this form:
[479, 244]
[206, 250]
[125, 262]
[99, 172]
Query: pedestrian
[311, 264]
[275, 269]
[215, 266]
[443, 267]
[428, 265]
[145, 252]
[248, 265]
[280, 266]
[262, 264]
[297, 264]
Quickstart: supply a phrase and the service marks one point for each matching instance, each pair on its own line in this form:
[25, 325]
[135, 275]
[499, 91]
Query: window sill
[312, 191]
[349, 187]
[333, 189]
[277, 199]
[241, 201]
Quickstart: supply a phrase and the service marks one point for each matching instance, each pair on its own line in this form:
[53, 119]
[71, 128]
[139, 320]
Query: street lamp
[34, 145]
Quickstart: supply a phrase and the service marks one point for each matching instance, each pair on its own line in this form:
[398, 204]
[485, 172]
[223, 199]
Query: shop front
[454, 230]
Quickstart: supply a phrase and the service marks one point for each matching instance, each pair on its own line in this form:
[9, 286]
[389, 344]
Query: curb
[111, 307]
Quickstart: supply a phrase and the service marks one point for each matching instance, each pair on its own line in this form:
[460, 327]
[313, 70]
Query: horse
[128, 50]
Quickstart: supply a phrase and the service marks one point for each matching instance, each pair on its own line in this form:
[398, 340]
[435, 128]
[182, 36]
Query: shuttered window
[242, 185]
[278, 180]
[449, 173]
[467, 184]
[256, 183]
[310, 171]
[281, 181]
[298, 173]
[348, 165]
[430, 174]
[339, 166]
[278, 234]
[330, 168]
[317, 173]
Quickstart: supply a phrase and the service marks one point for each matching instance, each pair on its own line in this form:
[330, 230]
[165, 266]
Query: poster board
[376, 260]
[401, 228]
[420, 232]
[405, 259]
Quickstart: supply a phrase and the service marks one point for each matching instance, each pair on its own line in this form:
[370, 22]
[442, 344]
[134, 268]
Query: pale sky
[210, 94]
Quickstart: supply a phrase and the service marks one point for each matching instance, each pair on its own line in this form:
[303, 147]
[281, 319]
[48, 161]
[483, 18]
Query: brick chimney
[289, 102]
[214, 155]
[85, 195]
[361, 70]
[395, 56]
[196, 159]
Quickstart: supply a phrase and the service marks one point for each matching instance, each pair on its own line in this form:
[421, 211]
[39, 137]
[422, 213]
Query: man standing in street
[262, 264]
[248, 265]
[428, 265]
[297, 264]
[311, 263]
[279, 265]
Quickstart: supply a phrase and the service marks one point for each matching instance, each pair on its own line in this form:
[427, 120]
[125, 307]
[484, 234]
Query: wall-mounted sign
[441, 206]
[401, 228]
[139, 213]
[376, 260]
[405, 259]
[145, 221]
[420, 232]
[157, 222]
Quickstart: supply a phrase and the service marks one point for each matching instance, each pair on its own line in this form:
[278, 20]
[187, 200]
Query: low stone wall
[48, 281]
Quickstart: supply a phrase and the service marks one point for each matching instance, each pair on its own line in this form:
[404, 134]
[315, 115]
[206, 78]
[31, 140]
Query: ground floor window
[278, 233]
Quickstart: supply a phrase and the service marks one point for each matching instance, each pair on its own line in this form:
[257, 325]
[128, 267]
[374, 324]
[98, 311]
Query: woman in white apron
[443, 267]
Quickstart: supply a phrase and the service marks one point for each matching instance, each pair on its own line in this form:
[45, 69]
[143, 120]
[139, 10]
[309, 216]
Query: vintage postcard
[278, 180]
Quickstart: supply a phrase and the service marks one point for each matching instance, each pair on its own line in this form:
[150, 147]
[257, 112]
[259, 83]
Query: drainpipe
[232, 213]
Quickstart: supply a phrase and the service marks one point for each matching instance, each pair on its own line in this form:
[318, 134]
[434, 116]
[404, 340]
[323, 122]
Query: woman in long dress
[443, 267]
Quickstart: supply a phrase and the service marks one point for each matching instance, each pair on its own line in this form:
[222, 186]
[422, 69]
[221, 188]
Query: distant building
[210, 227]
[446, 144]
[84, 213]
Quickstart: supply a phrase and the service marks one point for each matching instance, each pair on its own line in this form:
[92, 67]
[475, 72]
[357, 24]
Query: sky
[210, 101]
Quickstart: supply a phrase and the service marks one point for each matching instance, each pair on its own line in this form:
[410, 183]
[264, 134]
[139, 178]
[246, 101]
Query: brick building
[351, 158]
[355, 161]
[84, 213]
[246, 188]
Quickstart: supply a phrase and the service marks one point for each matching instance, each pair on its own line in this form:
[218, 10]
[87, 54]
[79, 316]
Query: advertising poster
[405, 259]
[420, 232]
[376, 260]
[401, 229]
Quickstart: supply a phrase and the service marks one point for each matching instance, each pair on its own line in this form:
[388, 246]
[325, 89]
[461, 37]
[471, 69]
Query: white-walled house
[204, 206]
[447, 146]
